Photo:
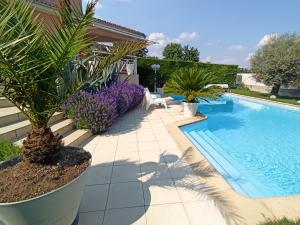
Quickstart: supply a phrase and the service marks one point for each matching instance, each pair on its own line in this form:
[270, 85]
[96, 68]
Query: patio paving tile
[125, 173]
[102, 159]
[123, 195]
[138, 176]
[106, 148]
[91, 218]
[160, 192]
[127, 147]
[153, 156]
[170, 214]
[203, 213]
[153, 170]
[126, 216]
[94, 198]
[99, 175]
[123, 158]
[148, 146]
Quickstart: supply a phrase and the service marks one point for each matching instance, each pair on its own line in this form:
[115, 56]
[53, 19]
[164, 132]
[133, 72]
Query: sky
[224, 31]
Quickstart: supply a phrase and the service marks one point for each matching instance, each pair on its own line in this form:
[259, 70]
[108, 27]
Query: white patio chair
[154, 101]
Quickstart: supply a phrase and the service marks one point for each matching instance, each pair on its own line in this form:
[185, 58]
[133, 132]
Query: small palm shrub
[98, 109]
[40, 69]
[8, 150]
[191, 83]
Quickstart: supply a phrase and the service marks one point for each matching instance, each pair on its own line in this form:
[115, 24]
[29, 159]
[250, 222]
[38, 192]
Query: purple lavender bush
[98, 109]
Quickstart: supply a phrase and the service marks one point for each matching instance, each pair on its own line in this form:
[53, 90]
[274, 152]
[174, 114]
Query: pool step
[211, 147]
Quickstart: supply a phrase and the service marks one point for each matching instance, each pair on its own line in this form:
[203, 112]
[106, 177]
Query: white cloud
[208, 59]
[220, 61]
[227, 61]
[266, 39]
[237, 48]
[161, 40]
[185, 36]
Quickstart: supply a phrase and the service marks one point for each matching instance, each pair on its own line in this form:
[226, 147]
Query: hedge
[224, 73]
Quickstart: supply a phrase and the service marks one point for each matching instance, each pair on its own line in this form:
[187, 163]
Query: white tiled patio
[138, 176]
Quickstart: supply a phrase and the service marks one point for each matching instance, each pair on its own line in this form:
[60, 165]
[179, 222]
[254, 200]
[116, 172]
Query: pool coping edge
[243, 210]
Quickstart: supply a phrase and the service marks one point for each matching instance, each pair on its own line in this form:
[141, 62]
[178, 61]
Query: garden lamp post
[155, 67]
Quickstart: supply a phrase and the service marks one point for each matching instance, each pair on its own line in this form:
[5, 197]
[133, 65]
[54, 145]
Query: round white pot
[190, 109]
[58, 207]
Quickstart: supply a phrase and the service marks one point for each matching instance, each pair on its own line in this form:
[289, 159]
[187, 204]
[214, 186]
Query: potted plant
[192, 84]
[40, 69]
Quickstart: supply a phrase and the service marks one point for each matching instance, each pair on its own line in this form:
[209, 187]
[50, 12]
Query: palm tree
[41, 67]
[192, 84]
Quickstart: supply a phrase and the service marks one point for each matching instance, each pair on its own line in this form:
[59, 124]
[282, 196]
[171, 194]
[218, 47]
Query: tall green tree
[173, 51]
[278, 62]
[190, 54]
[41, 68]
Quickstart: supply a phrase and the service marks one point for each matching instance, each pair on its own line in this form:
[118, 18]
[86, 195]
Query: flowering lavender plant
[98, 109]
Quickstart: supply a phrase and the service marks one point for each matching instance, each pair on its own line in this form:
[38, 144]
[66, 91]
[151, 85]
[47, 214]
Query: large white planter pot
[190, 109]
[58, 207]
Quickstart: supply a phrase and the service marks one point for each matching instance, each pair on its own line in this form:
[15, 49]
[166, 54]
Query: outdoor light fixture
[155, 67]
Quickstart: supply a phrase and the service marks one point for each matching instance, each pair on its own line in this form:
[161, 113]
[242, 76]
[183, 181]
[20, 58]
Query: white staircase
[14, 126]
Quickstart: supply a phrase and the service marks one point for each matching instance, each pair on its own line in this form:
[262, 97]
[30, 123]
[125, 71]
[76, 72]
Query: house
[102, 31]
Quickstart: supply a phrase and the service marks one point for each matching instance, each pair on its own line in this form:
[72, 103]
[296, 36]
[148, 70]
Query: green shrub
[8, 150]
[281, 222]
[224, 73]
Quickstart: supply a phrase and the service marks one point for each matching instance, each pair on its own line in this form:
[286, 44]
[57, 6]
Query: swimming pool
[254, 144]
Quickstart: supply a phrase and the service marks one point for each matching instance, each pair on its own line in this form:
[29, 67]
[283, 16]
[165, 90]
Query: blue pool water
[254, 144]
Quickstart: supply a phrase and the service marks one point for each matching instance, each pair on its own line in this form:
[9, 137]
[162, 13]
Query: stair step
[61, 127]
[76, 137]
[9, 115]
[18, 130]
[15, 130]
[211, 148]
[5, 103]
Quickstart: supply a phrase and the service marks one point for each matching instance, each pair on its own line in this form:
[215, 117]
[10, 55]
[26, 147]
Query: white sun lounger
[154, 101]
[223, 86]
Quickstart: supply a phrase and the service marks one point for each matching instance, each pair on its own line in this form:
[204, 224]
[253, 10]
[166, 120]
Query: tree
[41, 69]
[173, 51]
[191, 83]
[190, 54]
[278, 62]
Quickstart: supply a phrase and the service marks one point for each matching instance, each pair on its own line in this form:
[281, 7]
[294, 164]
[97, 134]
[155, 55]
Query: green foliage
[173, 51]
[191, 82]
[247, 92]
[278, 62]
[282, 222]
[40, 68]
[223, 73]
[190, 54]
[8, 150]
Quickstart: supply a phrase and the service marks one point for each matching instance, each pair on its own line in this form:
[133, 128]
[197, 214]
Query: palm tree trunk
[42, 146]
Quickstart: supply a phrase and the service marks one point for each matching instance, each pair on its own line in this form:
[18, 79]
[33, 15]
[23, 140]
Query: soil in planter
[22, 180]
